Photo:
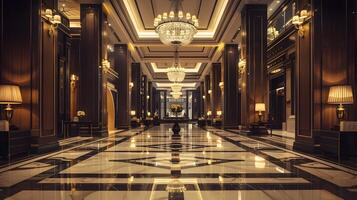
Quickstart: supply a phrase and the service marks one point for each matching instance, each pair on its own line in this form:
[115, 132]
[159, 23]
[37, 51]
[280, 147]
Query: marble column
[149, 98]
[135, 91]
[254, 85]
[216, 90]
[230, 79]
[123, 67]
[143, 94]
[207, 102]
[202, 99]
[92, 92]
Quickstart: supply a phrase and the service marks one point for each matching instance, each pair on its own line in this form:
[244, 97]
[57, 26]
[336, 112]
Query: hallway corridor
[213, 164]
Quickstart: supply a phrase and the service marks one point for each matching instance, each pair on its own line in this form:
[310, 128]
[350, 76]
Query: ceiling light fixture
[176, 87]
[176, 73]
[176, 28]
[176, 95]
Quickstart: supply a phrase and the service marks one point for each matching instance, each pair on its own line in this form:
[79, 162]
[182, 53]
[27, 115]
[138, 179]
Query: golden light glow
[341, 94]
[143, 33]
[133, 113]
[260, 107]
[156, 69]
[220, 46]
[168, 85]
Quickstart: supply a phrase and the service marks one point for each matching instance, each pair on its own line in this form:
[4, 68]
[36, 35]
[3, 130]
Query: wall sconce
[203, 97]
[221, 85]
[299, 19]
[209, 91]
[147, 97]
[242, 65]
[54, 19]
[74, 78]
[131, 85]
[340, 95]
[149, 114]
[106, 65]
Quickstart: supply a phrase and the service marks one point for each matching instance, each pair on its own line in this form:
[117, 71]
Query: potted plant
[176, 109]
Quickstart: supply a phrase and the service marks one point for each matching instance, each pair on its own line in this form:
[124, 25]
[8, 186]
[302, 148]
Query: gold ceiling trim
[205, 34]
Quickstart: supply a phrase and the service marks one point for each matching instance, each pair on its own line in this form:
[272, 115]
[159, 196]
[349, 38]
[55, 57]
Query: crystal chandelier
[176, 28]
[176, 87]
[176, 73]
[176, 95]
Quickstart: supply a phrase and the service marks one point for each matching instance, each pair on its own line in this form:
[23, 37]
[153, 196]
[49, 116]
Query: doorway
[277, 101]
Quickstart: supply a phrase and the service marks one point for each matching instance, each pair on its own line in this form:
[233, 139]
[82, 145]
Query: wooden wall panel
[230, 62]
[304, 92]
[122, 65]
[254, 47]
[92, 97]
[207, 103]
[48, 83]
[216, 90]
[16, 55]
[135, 91]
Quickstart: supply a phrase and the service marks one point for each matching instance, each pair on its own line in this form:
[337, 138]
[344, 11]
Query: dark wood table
[14, 143]
[68, 124]
[261, 128]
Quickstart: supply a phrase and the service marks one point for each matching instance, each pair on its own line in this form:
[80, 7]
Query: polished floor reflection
[201, 164]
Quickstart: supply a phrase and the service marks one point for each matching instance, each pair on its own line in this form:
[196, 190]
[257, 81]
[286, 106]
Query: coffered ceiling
[132, 22]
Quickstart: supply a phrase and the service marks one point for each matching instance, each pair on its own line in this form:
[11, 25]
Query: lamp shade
[10, 94]
[133, 113]
[260, 107]
[341, 94]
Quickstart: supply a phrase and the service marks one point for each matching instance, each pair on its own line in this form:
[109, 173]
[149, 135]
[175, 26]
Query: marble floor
[200, 164]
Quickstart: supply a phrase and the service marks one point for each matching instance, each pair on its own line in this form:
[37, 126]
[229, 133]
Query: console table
[14, 143]
[338, 143]
[260, 128]
[68, 124]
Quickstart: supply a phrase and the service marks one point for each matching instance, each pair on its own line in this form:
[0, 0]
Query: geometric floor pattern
[201, 164]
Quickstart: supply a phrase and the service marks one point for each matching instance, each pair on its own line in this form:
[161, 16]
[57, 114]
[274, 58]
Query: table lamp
[260, 108]
[9, 95]
[340, 95]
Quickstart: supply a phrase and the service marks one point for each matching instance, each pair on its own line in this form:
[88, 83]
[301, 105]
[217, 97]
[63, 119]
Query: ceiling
[132, 23]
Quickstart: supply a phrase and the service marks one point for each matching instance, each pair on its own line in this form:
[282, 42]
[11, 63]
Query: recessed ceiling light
[278, 1]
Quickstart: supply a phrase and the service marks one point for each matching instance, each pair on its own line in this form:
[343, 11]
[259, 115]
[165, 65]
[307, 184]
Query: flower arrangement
[81, 113]
[176, 108]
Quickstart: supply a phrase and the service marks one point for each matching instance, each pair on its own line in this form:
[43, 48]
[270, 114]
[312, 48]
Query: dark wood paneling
[254, 47]
[207, 102]
[143, 94]
[216, 90]
[16, 55]
[135, 91]
[92, 92]
[122, 65]
[230, 94]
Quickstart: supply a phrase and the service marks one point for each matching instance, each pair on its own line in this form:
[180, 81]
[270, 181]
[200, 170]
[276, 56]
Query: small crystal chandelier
[176, 28]
[176, 95]
[176, 73]
[176, 87]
